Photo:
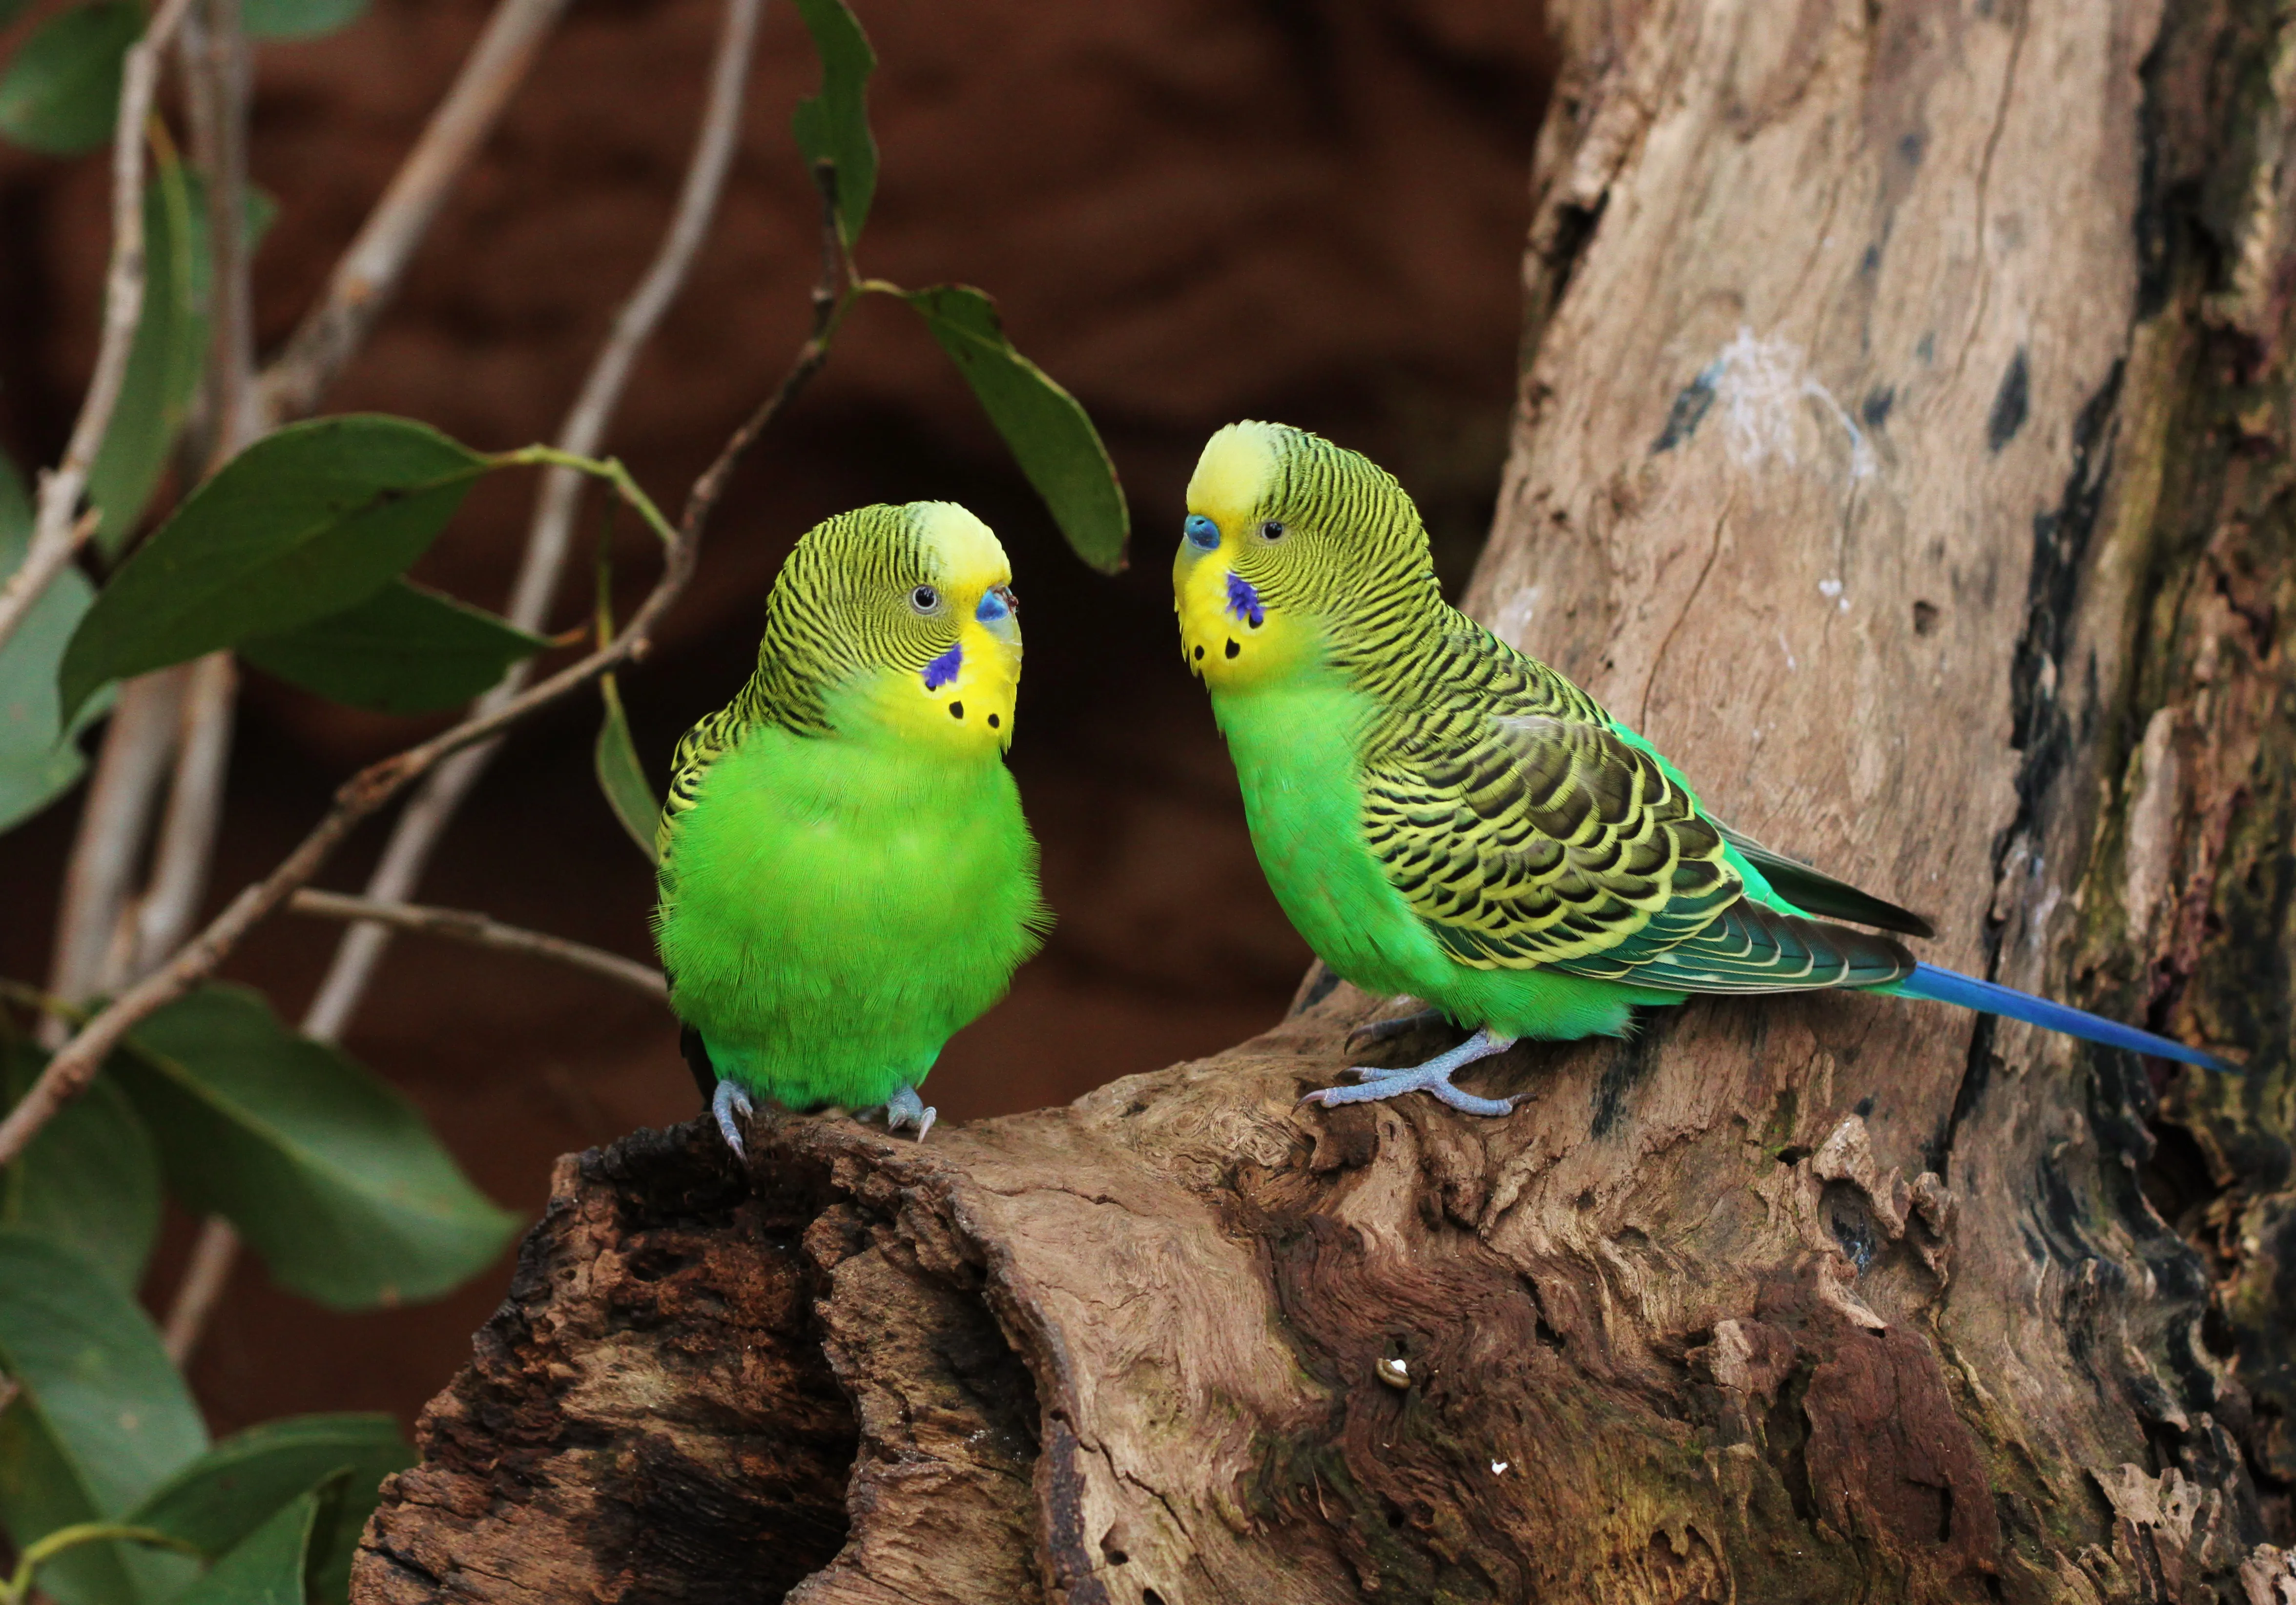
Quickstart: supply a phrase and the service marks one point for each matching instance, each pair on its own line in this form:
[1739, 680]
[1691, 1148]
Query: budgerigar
[1443, 817]
[846, 875]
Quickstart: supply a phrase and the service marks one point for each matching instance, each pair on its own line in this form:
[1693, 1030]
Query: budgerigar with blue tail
[846, 875]
[1444, 818]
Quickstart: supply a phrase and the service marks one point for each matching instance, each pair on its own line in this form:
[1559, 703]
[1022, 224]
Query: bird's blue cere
[993, 608]
[1243, 601]
[942, 669]
[1203, 534]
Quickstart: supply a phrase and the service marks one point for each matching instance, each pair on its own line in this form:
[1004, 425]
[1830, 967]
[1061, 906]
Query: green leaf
[833, 125]
[39, 760]
[223, 1496]
[328, 1173]
[101, 1419]
[297, 18]
[170, 353]
[1054, 442]
[620, 777]
[404, 650]
[299, 526]
[62, 92]
[89, 1181]
[266, 1568]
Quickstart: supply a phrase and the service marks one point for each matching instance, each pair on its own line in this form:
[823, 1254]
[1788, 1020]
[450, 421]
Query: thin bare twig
[187, 837]
[54, 530]
[206, 1274]
[483, 931]
[215, 67]
[75, 1064]
[424, 821]
[221, 148]
[112, 825]
[370, 271]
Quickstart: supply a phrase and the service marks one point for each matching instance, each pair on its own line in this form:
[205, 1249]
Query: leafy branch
[61, 527]
[18, 1588]
[75, 1064]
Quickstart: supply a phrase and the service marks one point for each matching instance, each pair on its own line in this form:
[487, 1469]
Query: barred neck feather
[843, 627]
[1427, 665]
[1436, 676]
[816, 637]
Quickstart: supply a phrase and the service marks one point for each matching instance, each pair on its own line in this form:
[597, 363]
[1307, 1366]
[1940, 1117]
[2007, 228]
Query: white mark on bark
[1761, 384]
[1515, 615]
[2153, 822]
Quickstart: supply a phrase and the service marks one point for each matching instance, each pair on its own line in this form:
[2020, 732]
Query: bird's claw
[730, 1104]
[905, 1109]
[1433, 1077]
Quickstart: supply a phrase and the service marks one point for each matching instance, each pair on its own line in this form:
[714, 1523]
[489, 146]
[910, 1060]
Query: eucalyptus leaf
[620, 777]
[1048, 432]
[170, 352]
[404, 650]
[164, 360]
[39, 760]
[89, 1181]
[267, 1567]
[833, 125]
[220, 1499]
[330, 1175]
[100, 1419]
[61, 94]
[297, 18]
[301, 525]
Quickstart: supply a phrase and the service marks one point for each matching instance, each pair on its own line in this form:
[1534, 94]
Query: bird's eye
[1271, 531]
[924, 599]
[1203, 534]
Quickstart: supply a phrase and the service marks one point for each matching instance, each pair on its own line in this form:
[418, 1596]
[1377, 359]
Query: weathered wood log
[1905, 446]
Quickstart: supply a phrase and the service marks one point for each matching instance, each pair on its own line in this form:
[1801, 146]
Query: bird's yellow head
[1294, 551]
[900, 620]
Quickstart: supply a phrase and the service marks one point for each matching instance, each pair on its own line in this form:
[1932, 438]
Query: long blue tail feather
[1987, 997]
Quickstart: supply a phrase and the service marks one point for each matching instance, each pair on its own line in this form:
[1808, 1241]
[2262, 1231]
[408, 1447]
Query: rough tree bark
[1904, 444]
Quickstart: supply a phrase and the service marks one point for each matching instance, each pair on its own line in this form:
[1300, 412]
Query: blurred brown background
[1190, 211]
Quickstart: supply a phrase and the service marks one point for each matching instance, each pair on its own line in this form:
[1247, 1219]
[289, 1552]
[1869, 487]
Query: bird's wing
[1550, 840]
[1819, 892]
[698, 747]
[1541, 840]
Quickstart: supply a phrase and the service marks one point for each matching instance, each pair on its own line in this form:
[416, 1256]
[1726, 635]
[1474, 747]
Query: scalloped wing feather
[1540, 840]
[1548, 839]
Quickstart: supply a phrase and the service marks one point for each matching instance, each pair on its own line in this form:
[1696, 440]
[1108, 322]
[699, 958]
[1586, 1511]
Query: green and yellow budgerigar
[846, 875]
[1444, 818]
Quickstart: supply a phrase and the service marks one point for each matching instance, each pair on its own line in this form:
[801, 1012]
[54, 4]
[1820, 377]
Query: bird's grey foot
[731, 1104]
[1433, 1076]
[905, 1108]
[1387, 1030]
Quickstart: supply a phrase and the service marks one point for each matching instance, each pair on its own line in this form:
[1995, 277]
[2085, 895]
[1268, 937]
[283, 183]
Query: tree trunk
[1904, 445]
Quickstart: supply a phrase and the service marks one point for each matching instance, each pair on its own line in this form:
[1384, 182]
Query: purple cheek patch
[943, 669]
[1243, 601]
